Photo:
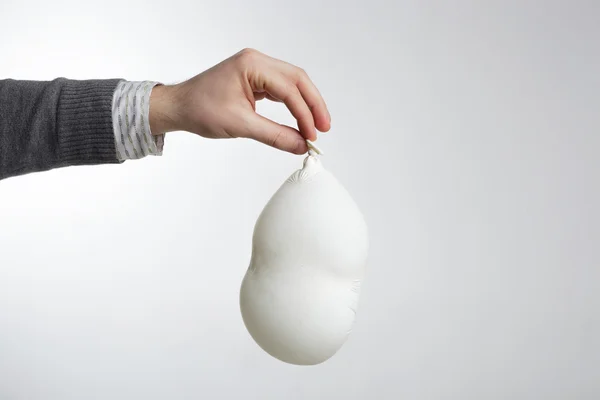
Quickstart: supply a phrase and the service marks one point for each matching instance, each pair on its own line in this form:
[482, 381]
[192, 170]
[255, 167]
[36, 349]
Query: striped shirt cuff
[131, 123]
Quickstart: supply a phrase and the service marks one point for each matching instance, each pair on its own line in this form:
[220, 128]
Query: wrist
[162, 114]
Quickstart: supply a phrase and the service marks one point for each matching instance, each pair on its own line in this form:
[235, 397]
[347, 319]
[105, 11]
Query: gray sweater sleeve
[52, 124]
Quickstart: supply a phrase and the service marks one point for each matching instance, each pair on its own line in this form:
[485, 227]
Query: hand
[221, 103]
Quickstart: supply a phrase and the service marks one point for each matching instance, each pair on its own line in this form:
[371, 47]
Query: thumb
[276, 135]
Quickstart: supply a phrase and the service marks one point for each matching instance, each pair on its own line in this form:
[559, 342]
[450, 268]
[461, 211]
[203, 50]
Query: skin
[221, 103]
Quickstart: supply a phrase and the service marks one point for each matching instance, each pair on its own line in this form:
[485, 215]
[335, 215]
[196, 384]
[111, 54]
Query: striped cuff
[131, 124]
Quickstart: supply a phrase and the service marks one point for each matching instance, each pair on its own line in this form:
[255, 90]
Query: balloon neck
[312, 164]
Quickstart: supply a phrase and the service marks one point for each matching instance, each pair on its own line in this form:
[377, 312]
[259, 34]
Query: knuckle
[276, 138]
[248, 50]
[247, 54]
[301, 75]
[302, 72]
[304, 114]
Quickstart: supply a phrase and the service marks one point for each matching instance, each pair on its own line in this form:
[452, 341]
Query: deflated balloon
[309, 251]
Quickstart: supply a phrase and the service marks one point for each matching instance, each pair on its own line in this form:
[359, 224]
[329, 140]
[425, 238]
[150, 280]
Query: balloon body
[309, 251]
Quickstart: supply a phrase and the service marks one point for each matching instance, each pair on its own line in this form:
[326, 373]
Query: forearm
[46, 125]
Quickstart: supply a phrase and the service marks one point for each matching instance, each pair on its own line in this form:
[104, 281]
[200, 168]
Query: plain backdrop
[466, 131]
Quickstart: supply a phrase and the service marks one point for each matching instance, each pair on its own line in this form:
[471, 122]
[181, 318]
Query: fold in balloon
[309, 251]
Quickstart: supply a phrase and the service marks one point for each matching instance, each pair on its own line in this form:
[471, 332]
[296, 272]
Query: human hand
[221, 103]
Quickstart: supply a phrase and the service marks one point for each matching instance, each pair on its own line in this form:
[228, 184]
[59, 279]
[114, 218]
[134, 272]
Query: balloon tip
[313, 147]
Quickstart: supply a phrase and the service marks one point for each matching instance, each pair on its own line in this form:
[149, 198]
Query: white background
[467, 132]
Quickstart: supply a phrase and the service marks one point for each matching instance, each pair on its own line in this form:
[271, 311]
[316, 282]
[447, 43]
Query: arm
[45, 125]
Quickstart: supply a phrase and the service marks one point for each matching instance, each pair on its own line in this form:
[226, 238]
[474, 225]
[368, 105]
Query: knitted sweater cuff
[84, 122]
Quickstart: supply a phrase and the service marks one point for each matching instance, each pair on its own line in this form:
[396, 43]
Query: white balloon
[309, 251]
